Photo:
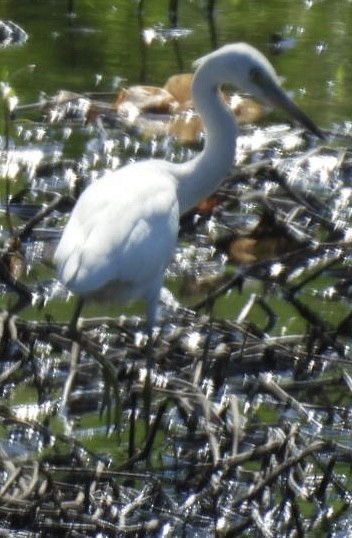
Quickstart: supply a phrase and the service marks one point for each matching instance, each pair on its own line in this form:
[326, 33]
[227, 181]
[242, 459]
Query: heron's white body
[111, 251]
[122, 232]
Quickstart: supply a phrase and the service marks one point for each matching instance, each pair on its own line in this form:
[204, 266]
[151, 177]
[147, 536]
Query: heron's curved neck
[201, 176]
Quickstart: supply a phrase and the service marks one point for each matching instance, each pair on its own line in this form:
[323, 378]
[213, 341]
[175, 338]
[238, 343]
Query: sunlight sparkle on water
[140, 339]
[322, 166]
[194, 341]
[276, 269]
[292, 141]
[162, 35]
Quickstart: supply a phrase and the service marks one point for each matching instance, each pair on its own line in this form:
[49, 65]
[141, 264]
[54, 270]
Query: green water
[103, 41]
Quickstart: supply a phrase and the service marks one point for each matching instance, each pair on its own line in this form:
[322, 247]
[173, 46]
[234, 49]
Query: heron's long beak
[276, 96]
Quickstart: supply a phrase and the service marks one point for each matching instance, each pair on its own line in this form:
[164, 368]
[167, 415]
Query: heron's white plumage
[111, 251]
[123, 230]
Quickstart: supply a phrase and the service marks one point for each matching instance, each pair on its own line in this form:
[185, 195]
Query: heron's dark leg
[152, 305]
[147, 389]
[72, 327]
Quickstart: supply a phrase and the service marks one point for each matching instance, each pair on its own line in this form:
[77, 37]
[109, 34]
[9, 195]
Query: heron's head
[246, 68]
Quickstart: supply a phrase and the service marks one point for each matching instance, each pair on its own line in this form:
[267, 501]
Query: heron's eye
[256, 76]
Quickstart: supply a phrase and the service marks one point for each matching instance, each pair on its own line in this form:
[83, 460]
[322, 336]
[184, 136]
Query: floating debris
[11, 34]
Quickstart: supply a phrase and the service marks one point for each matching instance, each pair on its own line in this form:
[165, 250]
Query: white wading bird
[123, 230]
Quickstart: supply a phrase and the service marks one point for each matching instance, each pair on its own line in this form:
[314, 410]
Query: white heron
[123, 229]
